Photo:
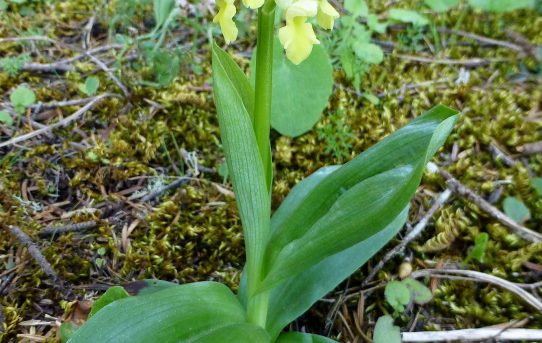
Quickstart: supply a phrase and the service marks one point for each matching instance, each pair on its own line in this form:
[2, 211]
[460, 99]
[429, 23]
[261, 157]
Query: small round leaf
[398, 295]
[386, 332]
[6, 118]
[419, 292]
[22, 96]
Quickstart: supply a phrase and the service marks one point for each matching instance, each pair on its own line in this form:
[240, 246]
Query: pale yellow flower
[326, 15]
[253, 3]
[224, 17]
[298, 37]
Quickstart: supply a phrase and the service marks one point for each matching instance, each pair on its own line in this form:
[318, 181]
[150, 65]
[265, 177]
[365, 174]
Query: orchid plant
[329, 225]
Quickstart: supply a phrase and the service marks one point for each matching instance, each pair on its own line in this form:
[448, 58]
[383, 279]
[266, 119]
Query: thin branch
[109, 73]
[483, 39]
[60, 123]
[53, 231]
[482, 277]
[28, 38]
[56, 67]
[414, 86]
[531, 148]
[175, 184]
[2, 319]
[466, 335]
[469, 62]
[65, 65]
[35, 252]
[64, 103]
[415, 232]
[459, 188]
[499, 155]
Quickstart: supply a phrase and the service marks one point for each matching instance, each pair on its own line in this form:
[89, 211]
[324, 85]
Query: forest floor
[134, 171]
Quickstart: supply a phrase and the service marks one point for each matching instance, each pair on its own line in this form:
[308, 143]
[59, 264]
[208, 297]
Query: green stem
[264, 76]
[258, 303]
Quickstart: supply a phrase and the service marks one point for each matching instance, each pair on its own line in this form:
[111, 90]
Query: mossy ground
[78, 173]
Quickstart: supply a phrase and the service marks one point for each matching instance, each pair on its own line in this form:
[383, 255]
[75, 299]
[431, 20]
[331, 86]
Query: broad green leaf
[296, 295]
[6, 118]
[299, 337]
[358, 213]
[418, 291]
[149, 286]
[386, 332]
[375, 25]
[479, 249]
[300, 92]
[235, 333]
[22, 96]
[162, 9]
[516, 209]
[441, 5]
[369, 52]
[247, 171]
[238, 79]
[67, 330]
[408, 16]
[358, 8]
[397, 161]
[397, 295]
[90, 86]
[246, 92]
[184, 313]
[111, 295]
[500, 6]
[536, 183]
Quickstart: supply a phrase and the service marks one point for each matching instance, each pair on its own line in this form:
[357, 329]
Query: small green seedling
[224, 172]
[501, 6]
[90, 87]
[516, 209]
[399, 294]
[386, 331]
[5, 118]
[22, 98]
[441, 5]
[479, 250]
[537, 185]
[408, 16]
[100, 261]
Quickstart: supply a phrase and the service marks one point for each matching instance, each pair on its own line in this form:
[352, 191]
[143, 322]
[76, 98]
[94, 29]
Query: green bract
[327, 227]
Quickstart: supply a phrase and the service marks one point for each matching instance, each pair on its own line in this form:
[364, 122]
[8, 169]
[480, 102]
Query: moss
[194, 233]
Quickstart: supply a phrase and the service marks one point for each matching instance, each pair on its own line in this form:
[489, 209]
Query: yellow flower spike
[253, 3]
[326, 15]
[225, 18]
[298, 36]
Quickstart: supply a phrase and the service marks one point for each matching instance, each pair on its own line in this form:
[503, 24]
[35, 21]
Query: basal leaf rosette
[297, 35]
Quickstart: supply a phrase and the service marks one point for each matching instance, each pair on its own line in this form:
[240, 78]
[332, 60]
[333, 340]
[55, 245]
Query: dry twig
[109, 73]
[53, 231]
[63, 122]
[483, 39]
[482, 277]
[459, 188]
[35, 252]
[469, 62]
[415, 232]
[466, 335]
[531, 148]
[175, 184]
